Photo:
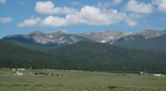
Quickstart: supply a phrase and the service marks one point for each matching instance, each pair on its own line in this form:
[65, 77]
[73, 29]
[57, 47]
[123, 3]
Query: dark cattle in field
[57, 74]
[112, 87]
[52, 74]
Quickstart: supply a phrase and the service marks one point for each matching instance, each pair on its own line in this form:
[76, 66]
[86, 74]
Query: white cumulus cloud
[4, 20]
[131, 22]
[117, 1]
[53, 21]
[161, 5]
[49, 8]
[2, 1]
[96, 16]
[29, 22]
[88, 15]
[91, 15]
[139, 7]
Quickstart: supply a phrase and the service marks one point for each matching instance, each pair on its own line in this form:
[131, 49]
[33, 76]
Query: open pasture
[69, 80]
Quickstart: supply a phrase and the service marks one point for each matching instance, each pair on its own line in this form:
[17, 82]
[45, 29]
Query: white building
[18, 71]
[159, 75]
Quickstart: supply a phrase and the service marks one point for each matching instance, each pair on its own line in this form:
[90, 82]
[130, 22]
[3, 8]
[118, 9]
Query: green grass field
[79, 81]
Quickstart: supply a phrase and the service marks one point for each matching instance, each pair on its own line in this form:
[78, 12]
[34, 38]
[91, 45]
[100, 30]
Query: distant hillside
[150, 39]
[12, 55]
[82, 56]
[140, 42]
[54, 39]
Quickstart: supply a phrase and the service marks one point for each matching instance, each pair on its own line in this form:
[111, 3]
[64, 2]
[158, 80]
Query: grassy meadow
[70, 80]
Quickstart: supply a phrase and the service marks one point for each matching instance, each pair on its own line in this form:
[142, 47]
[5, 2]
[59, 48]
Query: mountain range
[149, 39]
[103, 51]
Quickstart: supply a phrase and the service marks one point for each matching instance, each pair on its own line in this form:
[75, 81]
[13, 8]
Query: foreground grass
[79, 81]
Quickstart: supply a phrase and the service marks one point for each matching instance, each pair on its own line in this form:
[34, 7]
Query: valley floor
[65, 80]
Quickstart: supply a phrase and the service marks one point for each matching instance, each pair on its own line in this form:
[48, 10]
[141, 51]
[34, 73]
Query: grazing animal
[112, 87]
[52, 74]
[57, 74]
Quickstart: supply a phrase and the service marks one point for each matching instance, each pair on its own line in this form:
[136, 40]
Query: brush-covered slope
[82, 56]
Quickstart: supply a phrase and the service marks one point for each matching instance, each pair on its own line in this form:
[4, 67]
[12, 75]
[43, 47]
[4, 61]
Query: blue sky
[75, 16]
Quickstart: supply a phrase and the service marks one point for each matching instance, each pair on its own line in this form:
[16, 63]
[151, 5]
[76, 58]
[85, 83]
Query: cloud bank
[161, 5]
[49, 8]
[136, 7]
[5, 20]
[92, 15]
[2, 1]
